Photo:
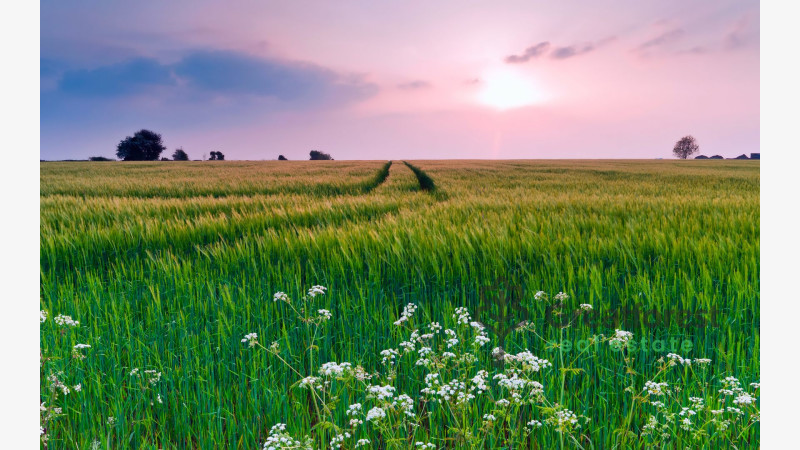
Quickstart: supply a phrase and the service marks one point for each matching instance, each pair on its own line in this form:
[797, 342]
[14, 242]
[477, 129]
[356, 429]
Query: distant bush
[217, 156]
[144, 145]
[282, 158]
[165, 159]
[100, 158]
[180, 155]
[319, 156]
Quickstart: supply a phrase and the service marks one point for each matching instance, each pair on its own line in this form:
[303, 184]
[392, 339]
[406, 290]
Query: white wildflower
[375, 414]
[66, 321]
[408, 312]
[251, 339]
[316, 290]
[621, 338]
[654, 388]
[461, 315]
[334, 369]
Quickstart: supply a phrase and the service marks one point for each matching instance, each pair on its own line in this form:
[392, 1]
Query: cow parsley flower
[389, 355]
[310, 383]
[675, 359]
[324, 314]
[251, 339]
[380, 392]
[461, 315]
[621, 338]
[586, 307]
[354, 409]
[42, 316]
[334, 369]
[362, 442]
[280, 296]
[654, 388]
[66, 321]
[405, 404]
[316, 290]
[481, 340]
[279, 439]
[534, 424]
[81, 346]
[408, 312]
[337, 440]
[375, 413]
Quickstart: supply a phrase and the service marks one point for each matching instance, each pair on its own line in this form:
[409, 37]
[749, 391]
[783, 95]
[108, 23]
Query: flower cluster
[66, 321]
[251, 339]
[316, 290]
[279, 439]
[408, 312]
[621, 338]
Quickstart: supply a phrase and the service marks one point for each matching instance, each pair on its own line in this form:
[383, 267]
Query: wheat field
[165, 269]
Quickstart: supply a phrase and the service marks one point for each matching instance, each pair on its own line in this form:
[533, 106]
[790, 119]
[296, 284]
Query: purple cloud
[531, 52]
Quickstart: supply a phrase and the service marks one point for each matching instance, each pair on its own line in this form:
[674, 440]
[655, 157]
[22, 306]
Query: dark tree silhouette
[99, 158]
[164, 158]
[144, 145]
[319, 156]
[685, 147]
[282, 158]
[213, 156]
[180, 155]
[217, 156]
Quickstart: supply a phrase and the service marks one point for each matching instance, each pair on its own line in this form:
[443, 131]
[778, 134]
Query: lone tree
[180, 155]
[144, 145]
[319, 156]
[686, 147]
[217, 156]
[282, 158]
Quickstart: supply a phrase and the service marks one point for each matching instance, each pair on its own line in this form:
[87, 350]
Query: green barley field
[596, 292]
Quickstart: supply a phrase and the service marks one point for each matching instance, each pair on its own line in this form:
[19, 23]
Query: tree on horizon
[144, 145]
[686, 147]
[319, 156]
[180, 155]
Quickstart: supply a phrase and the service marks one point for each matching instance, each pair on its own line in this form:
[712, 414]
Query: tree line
[146, 145]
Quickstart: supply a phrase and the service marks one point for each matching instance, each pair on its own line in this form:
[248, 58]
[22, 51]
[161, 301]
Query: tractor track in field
[379, 178]
[425, 181]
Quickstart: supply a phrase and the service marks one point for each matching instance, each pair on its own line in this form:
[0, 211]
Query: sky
[390, 79]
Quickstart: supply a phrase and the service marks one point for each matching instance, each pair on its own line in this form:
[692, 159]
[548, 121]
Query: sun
[505, 89]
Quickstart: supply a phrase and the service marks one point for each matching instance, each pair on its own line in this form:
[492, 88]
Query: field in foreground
[169, 266]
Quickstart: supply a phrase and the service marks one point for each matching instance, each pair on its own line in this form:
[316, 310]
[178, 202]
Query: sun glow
[507, 89]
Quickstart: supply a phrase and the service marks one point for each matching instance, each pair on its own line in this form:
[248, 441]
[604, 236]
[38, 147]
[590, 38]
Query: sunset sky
[385, 79]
